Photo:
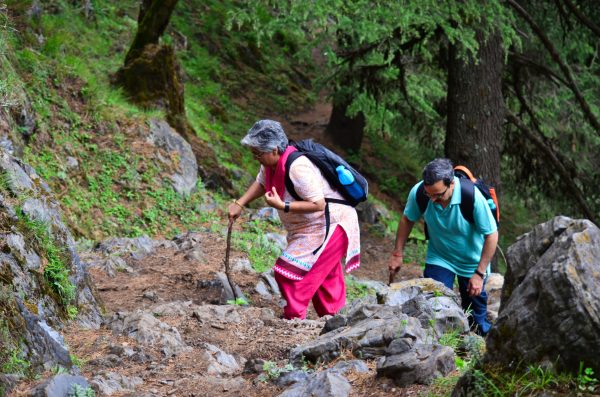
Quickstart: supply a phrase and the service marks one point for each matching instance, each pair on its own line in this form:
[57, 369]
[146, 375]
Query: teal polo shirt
[454, 243]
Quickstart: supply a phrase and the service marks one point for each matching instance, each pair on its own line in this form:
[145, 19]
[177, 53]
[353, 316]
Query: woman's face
[268, 159]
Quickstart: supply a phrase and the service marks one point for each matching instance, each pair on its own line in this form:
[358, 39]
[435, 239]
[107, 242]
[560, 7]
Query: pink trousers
[324, 283]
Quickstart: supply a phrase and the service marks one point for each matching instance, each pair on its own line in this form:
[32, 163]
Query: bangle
[477, 272]
[397, 254]
[286, 207]
[238, 204]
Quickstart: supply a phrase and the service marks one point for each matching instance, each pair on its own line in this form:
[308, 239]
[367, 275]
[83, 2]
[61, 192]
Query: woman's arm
[273, 199]
[255, 191]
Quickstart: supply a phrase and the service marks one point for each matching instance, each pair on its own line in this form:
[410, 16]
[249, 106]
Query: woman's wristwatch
[286, 207]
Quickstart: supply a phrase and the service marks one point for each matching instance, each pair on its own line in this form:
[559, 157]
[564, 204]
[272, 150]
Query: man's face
[439, 192]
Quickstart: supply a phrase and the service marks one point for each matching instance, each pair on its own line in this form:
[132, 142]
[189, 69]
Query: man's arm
[397, 256]
[489, 248]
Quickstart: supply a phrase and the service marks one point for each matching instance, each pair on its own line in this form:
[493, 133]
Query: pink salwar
[323, 283]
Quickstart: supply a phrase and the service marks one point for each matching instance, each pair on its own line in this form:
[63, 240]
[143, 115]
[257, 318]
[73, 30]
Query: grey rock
[219, 363]
[195, 254]
[367, 333]
[242, 265]
[421, 365]
[138, 248]
[59, 386]
[188, 240]
[108, 361]
[550, 310]
[8, 381]
[217, 313]
[269, 278]
[16, 243]
[112, 382]
[262, 289]
[266, 213]
[429, 301]
[278, 239]
[371, 213]
[7, 145]
[185, 179]
[352, 365]
[323, 384]
[290, 378]
[148, 330]
[72, 163]
[173, 309]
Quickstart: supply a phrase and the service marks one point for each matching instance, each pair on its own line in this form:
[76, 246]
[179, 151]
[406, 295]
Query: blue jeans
[476, 304]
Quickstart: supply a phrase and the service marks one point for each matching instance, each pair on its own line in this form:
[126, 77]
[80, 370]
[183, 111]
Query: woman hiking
[302, 273]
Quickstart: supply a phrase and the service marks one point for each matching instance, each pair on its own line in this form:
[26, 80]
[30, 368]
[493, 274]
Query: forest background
[508, 89]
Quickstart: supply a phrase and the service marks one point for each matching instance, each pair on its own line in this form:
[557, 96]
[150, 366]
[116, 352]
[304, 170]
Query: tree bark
[346, 132]
[476, 110]
[153, 20]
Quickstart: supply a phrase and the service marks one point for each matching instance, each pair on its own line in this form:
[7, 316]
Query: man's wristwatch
[477, 272]
[286, 207]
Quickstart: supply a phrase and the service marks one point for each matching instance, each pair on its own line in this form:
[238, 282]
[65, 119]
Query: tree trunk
[345, 131]
[476, 110]
[153, 20]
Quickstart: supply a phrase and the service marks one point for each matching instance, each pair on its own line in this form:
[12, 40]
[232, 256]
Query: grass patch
[356, 290]
[55, 267]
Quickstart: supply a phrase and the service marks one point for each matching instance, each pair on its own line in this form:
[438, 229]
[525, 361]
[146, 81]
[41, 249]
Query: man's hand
[394, 264]
[273, 199]
[475, 285]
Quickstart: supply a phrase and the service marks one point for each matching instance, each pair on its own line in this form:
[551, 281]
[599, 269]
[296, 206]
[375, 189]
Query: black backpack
[327, 161]
[467, 188]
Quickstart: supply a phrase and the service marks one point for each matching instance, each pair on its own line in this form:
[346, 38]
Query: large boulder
[550, 310]
[43, 282]
[402, 334]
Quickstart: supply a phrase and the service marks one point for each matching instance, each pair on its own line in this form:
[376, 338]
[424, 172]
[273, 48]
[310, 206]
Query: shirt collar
[456, 193]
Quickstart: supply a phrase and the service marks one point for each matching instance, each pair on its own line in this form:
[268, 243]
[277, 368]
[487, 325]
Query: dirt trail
[171, 275]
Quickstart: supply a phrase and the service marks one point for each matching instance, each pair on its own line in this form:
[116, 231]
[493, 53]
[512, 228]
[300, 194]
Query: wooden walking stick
[227, 258]
[391, 279]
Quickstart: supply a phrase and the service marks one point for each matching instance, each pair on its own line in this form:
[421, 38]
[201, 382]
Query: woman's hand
[273, 199]
[234, 210]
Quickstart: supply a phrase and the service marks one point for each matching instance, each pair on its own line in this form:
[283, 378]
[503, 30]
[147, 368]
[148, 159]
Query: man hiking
[457, 248]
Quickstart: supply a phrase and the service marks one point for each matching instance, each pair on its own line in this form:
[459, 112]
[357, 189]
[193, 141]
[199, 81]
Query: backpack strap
[289, 185]
[327, 218]
[422, 202]
[422, 199]
[467, 202]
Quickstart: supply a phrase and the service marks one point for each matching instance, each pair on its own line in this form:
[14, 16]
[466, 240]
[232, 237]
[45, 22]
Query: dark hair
[440, 169]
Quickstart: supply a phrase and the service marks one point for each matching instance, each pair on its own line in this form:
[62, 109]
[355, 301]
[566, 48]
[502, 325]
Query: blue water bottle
[347, 179]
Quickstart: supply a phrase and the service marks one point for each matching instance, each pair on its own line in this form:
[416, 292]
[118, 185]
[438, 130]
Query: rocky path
[166, 332]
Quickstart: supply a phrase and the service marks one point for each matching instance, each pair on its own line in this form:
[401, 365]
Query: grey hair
[440, 169]
[266, 135]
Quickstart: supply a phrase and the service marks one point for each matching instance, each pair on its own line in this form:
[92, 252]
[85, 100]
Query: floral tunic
[306, 231]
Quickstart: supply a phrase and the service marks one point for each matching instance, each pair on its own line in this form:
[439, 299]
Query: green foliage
[531, 380]
[356, 290]
[56, 269]
[586, 381]
[80, 391]
[238, 302]
[272, 371]
[262, 252]
[11, 359]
